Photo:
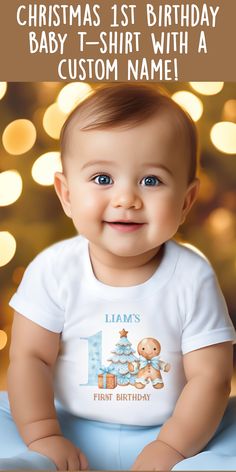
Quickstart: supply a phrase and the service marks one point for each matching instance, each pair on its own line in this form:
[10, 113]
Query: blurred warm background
[31, 116]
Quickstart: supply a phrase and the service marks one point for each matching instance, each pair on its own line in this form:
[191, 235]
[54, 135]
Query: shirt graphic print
[125, 366]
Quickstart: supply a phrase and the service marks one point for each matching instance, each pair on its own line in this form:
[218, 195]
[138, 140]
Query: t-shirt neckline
[158, 279]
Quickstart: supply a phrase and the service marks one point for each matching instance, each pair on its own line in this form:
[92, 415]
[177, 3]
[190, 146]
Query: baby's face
[126, 188]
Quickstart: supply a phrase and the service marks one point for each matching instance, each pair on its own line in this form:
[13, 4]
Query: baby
[128, 182]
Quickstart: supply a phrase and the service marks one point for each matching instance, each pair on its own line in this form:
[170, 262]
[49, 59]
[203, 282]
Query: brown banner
[118, 41]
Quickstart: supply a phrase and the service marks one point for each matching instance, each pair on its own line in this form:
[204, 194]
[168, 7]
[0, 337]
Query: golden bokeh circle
[72, 94]
[45, 166]
[53, 120]
[19, 136]
[223, 137]
[207, 88]
[3, 339]
[3, 89]
[7, 247]
[190, 103]
[10, 187]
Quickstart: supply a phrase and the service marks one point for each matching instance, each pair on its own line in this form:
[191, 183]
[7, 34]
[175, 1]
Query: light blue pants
[112, 446]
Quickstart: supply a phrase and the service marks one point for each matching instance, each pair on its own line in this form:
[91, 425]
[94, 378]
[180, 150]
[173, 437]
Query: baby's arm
[198, 410]
[33, 353]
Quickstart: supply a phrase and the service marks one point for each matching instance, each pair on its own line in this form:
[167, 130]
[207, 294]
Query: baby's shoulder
[61, 255]
[192, 263]
[65, 248]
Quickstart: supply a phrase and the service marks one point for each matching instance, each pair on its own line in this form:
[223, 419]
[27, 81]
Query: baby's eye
[103, 179]
[150, 181]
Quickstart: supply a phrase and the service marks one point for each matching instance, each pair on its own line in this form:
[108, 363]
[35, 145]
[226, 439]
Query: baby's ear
[190, 198]
[62, 191]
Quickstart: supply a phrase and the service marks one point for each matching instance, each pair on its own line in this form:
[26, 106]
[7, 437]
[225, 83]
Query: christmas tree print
[123, 355]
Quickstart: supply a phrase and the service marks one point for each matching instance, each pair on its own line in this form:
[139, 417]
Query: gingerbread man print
[150, 364]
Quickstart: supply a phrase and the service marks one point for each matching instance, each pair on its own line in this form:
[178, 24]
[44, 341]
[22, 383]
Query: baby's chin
[126, 252]
[130, 249]
[116, 248]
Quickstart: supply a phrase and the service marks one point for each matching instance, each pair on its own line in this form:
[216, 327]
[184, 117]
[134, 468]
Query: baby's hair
[127, 105]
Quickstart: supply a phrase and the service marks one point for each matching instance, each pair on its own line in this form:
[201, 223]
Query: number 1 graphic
[94, 358]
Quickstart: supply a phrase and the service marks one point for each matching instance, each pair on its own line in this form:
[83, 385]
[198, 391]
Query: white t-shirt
[180, 307]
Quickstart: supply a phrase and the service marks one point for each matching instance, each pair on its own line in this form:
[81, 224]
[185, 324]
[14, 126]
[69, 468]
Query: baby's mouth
[124, 226]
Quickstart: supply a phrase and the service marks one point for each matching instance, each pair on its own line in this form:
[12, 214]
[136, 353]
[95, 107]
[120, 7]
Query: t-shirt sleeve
[207, 321]
[37, 297]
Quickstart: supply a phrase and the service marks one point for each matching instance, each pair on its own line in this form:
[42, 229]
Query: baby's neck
[124, 271]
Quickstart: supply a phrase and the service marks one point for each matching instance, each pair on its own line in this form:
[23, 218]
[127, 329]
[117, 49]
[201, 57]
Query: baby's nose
[127, 199]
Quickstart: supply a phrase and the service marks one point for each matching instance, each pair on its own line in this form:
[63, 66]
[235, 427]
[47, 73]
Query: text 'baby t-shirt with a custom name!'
[121, 351]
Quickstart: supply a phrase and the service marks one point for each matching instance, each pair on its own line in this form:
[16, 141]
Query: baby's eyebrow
[146, 165]
[157, 166]
[98, 163]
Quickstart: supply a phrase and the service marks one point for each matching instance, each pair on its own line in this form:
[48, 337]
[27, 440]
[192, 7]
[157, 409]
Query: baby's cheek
[89, 204]
[95, 201]
[168, 217]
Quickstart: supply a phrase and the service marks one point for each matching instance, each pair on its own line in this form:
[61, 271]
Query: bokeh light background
[31, 117]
